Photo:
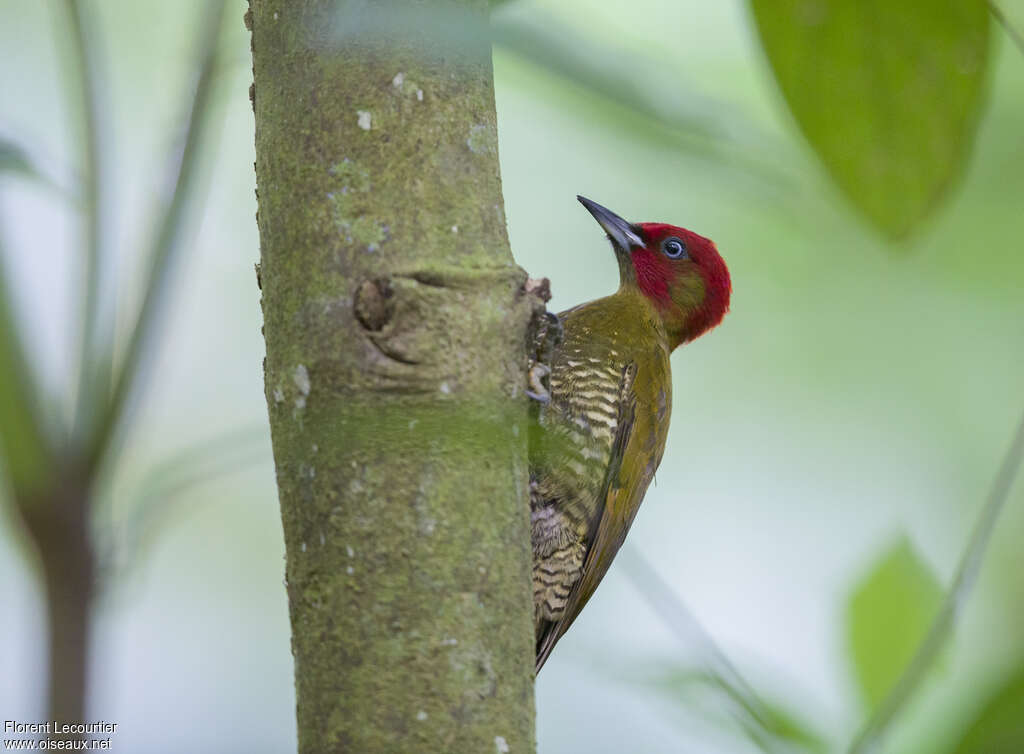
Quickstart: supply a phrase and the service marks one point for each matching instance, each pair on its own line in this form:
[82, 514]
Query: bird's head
[680, 272]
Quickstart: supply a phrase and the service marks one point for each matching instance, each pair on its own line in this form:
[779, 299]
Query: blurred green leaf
[24, 447]
[887, 94]
[889, 613]
[999, 726]
[24, 443]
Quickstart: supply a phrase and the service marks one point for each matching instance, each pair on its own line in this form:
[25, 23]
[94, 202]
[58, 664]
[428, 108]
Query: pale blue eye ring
[674, 248]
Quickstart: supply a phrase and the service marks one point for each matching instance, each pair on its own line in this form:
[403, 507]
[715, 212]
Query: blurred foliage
[888, 615]
[719, 685]
[998, 727]
[768, 726]
[887, 94]
[55, 465]
[103, 392]
[909, 576]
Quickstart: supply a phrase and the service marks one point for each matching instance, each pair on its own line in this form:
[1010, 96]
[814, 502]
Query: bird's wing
[619, 500]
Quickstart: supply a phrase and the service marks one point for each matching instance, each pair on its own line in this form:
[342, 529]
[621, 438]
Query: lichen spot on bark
[350, 220]
[301, 379]
[406, 87]
[483, 139]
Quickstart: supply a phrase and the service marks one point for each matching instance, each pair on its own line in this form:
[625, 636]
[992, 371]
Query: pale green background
[855, 391]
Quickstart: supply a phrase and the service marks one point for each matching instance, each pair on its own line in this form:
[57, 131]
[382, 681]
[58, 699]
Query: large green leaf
[998, 727]
[886, 91]
[889, 613]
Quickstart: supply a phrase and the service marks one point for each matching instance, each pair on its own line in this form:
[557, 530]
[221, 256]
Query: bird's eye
[674, 248]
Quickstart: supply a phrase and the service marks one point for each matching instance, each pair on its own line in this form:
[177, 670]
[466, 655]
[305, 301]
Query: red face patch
[657, 272]
[652, 275]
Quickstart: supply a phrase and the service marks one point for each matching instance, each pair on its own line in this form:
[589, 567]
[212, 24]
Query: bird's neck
[635, 318]
[670, 317]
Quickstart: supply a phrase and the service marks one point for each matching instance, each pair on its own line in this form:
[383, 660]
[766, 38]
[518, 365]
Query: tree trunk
[395, 324]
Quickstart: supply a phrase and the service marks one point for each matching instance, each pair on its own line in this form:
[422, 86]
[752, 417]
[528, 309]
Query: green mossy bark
[395, 325]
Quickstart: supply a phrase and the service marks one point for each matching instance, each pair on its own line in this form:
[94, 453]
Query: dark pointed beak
[623, 235]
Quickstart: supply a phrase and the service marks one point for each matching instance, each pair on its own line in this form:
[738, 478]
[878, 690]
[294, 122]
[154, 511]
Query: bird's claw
[537, 390]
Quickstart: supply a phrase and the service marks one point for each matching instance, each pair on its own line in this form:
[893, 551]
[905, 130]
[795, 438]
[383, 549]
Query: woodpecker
[602, 384]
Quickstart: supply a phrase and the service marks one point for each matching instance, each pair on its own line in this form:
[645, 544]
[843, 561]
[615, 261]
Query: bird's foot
[545, 333]
[537, 390]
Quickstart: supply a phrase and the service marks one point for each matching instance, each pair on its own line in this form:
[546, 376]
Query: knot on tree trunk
[373, 304]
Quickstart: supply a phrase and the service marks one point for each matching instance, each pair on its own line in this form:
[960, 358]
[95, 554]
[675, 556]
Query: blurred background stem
[58, 522]
[83, 86]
